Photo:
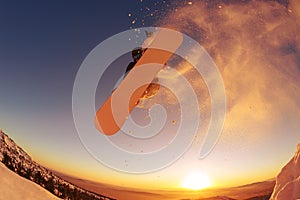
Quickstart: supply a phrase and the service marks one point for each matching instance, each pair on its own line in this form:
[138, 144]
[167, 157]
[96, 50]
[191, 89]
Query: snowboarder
[153, 87]
[136, 55]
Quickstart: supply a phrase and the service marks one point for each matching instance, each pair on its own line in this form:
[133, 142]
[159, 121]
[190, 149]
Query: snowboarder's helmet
[137, 53]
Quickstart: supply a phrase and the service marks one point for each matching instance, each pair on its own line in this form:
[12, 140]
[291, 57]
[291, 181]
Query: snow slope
[20, 163]
[288, 180]
[16, 187]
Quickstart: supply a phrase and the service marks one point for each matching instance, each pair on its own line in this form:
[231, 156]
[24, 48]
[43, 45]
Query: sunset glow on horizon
[196, 181]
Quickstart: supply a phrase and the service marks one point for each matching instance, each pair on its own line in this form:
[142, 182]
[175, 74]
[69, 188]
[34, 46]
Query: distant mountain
[288, 180]
[18, 161]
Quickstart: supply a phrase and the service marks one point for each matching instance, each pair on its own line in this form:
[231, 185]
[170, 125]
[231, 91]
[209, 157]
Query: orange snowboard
[116, 109]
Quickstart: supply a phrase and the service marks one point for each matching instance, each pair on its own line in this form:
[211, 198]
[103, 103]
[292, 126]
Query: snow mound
[17, 187]
[288, 180]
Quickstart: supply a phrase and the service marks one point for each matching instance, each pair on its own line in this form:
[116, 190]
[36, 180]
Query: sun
[196, 181]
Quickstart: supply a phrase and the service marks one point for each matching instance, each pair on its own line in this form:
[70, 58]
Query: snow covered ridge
[18, 161]
[288, 180]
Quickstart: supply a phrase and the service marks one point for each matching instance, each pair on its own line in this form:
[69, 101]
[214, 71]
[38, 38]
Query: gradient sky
[42, 45]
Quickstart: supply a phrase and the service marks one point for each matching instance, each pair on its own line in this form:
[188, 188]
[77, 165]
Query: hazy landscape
[260, 190]
[17, 166]
[64, 186]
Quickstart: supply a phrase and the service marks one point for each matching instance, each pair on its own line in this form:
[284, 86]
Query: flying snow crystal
[149, 11]
[148, 34]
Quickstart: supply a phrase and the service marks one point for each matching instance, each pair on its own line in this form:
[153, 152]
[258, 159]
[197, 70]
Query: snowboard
[114, 112]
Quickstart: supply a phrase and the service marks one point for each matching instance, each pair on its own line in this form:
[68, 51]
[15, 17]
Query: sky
[255, 46]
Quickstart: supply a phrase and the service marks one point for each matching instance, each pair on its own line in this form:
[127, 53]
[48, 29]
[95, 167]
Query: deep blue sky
[42, 45]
